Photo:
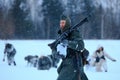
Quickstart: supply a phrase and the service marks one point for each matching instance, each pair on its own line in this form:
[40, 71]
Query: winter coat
[69, 68]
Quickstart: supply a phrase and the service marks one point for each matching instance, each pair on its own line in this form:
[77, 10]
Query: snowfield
[39, 47]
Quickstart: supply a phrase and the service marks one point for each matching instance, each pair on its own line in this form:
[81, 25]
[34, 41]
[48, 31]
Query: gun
[54, 44]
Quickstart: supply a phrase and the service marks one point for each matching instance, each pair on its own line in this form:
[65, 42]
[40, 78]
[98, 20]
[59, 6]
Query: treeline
[39, 19]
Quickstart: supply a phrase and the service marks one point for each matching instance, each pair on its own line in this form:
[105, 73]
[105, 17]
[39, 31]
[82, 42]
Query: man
[99, 59]
[9, 52]
[31, 60]
[71, 67]
[47, 62]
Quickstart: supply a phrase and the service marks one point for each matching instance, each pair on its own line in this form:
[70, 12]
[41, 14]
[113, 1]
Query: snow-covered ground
[39, 47]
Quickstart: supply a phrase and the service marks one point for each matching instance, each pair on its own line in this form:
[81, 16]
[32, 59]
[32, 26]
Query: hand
[64, 42]
[114, 60]
[52, 45]
[3, 60]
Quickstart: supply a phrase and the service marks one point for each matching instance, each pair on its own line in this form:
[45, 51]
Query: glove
[3, 60]
[64, 42]
[62, 49]
[114, 60]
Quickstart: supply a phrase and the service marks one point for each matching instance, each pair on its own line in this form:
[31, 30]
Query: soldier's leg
[39, 64]
[8, 60]
[35, 63]
[105, 66]
[13, 61]
[98, 67]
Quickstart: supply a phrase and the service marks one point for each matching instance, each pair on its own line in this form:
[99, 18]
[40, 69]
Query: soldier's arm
[76, 41]
[4, 55]
[5, 51]
[94, 55]
[108, 56]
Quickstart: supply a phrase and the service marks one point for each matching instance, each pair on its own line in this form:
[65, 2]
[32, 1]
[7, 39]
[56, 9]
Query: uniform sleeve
[108, 56]
[5, 49]
[76, 41]
[94, 55]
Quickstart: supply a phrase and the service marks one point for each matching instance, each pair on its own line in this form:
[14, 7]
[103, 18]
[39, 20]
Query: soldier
[9, 52]
[44, 63]
[31, 60]
[99, 60]
[71, 67]
[47, 62]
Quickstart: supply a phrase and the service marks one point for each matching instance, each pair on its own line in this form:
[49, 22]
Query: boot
[14, 63]
[9, 64]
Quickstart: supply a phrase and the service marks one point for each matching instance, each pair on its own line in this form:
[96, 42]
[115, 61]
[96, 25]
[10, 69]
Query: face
[101, 48]
[62, 24]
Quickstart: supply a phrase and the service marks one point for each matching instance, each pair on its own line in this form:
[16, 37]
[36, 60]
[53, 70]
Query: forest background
[39, 19]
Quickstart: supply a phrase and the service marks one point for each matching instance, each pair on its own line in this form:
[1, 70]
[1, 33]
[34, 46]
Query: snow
[39, 47]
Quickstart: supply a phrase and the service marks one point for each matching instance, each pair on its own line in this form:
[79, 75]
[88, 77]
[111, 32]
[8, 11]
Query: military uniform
[71, 67]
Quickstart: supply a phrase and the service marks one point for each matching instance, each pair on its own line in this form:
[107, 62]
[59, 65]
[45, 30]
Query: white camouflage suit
[9, 52]
[99, 59]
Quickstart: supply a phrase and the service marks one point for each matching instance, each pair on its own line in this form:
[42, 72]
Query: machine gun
[54, 44]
